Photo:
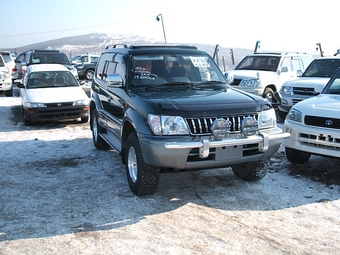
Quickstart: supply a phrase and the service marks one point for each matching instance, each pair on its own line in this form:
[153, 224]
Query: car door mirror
[114, 80]
[284, 69]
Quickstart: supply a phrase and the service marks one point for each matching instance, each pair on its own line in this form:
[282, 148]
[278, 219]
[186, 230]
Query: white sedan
[50, 92]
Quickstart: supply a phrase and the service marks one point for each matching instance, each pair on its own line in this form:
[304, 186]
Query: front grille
[321, 141]
[202, 126]
[60, 104]
[322, 122]
[236, 82]
[305, 91]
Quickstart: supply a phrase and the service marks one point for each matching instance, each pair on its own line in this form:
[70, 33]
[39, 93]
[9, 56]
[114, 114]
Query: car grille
[322, 122]
[236, 82]
[202, 126]
[325, 141]
[305, 91]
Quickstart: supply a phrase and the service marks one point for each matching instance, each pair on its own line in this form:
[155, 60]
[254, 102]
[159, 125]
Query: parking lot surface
[59, 195]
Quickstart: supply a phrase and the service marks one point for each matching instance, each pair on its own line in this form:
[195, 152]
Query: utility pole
[157, 18]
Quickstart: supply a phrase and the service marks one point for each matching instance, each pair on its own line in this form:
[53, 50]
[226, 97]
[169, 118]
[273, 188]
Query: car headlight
[267, 119]
[250, 83]
[167, 125]
[287, 90]
[35, 105]
[80, 102]
[294, 115]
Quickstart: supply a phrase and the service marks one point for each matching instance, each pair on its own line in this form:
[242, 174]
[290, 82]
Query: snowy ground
[59, 195]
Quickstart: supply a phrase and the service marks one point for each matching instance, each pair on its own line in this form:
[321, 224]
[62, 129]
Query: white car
[5, 78]
[314, 125]
[50, 92]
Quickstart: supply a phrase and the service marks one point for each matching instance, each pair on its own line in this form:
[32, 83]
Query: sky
[289, 25]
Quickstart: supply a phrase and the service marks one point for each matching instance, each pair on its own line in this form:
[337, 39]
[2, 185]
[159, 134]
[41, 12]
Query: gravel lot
[59, 195]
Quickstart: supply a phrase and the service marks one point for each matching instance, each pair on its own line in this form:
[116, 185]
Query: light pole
[157, 18]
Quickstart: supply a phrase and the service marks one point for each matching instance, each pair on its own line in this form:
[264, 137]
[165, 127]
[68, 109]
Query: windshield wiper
[203, 83]
[180, 83]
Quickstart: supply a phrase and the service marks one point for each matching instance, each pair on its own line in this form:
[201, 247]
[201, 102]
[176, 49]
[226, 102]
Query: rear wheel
[250, 171]
[98, 141]
[296, 156]
[143, 179]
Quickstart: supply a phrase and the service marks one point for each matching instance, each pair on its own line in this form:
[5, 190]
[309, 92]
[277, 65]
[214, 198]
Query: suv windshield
[52, 58]
[154, 69]
[322, 68]
[264, 63]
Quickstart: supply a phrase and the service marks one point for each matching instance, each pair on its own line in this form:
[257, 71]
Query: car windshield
[322, 68]
[263, 63]
[52, 58]
[50, 79]
[170, 69]
[333, 86]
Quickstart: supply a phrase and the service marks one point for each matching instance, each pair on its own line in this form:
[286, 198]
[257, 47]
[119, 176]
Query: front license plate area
[224, 153]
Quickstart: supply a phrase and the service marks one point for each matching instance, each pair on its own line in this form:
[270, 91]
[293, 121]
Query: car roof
[47, 67]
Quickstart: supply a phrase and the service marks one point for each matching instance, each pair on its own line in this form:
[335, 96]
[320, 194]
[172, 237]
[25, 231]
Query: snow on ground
[59, 195]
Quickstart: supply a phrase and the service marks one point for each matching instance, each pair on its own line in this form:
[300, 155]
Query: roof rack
[182, 46]
[116, 46]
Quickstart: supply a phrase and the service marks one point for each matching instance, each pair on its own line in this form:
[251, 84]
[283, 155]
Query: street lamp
[157, 18]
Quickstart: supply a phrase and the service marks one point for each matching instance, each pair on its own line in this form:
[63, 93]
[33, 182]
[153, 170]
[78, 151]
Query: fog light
[220, 128]
[249, 126]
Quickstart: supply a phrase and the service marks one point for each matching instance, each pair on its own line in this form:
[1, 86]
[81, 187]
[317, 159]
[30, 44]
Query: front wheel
[296, 156]
[89, 75]
[98, 141]
[143, 179]
[269, 94]
[250, 171]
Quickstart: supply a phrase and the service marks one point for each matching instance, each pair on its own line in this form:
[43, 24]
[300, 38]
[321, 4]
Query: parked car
[170, 107]
[17, 70]
[25, 59]
[50, 92]
[310, 84]
[263, 74]
[5, 78]
[83, 59]
[314, 125]
[9, 62]
[86, 70]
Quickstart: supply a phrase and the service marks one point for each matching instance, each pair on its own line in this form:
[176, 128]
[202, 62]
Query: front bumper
[56, 113]
[200, 153]
[321, 141]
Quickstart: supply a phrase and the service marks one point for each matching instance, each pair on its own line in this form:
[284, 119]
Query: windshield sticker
[140, 73]
[199, 62]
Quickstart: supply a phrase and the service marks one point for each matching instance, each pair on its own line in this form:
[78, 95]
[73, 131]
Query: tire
[269, 94]
[143, 179]
[9, 93]
[89, 74]
[98, 141]
[250, 171]
[282, 115]
[84, 120]
[296, 156]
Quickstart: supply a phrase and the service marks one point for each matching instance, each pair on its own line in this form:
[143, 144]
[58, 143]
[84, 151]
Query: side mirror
[299, 73]
[114, 80]
[284, 69]
[229, 77]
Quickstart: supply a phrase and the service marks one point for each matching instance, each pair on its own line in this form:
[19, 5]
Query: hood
[55, 95]
[308, 82]
[324, 105]
[192, 103]
[251, 74]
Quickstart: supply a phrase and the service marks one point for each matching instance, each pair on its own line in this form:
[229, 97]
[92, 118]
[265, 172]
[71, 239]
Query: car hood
[325, 105]
[55, 95]
[308, 82]
[250, 74]
[198, 102]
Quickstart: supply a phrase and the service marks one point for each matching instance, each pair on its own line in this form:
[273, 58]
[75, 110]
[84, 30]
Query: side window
[297, 64]
[121, 67]
[286, 63]
[101, 66]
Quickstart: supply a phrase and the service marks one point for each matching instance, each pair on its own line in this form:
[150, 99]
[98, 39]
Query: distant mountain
[95, 43]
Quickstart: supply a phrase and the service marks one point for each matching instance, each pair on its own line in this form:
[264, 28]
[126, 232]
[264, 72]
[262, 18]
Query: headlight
[287, 90]
[250, 83]
[267, 119]
[167, 125]
[80, 102]
[35, 105]
[294, 115]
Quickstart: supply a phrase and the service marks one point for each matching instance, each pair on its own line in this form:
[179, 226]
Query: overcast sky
[280, 25]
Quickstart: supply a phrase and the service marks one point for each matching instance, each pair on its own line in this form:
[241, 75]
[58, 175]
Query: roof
[47, 67]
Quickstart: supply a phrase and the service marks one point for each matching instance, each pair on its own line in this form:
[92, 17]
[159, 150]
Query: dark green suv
[168, 107]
